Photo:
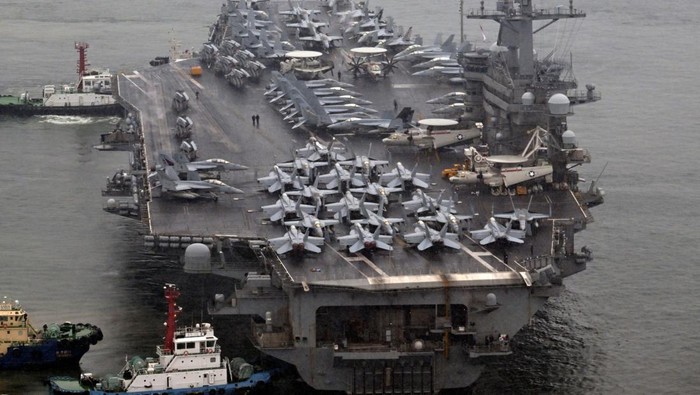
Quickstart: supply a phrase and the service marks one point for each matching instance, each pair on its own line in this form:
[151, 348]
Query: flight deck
[223, 128]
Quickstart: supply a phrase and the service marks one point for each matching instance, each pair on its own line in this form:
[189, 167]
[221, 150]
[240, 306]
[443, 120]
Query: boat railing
[533, 263]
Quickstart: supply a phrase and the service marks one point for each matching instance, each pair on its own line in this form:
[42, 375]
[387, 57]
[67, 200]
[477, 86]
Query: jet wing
[348, 240]
[415, 237]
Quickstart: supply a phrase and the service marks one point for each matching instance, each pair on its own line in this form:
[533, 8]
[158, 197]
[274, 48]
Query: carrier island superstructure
[401, 321]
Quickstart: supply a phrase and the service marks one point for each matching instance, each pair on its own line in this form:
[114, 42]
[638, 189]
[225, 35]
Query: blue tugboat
[22, 346]
[189, 362]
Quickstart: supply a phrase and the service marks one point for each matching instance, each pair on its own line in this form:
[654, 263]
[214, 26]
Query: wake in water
[74, 119]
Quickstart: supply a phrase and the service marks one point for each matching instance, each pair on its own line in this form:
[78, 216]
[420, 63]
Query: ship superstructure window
[210, 343]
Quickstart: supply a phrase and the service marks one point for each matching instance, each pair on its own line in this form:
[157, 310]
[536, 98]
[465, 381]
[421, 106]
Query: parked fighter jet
[439, 48]
[321, 40]
[364, 163]
[375, 125]
[421, 203]
[376, 189]
[285, 206]
[277, 179]
[315, 150]
[448, 98]
[302, 166]
[399, 176]
[349, 204]
[338, 175]
[374, 219]
[192, 188]
[425, 237]
[402, 41]
[445, 215]
[311, 221]
[360, 238]
[312, 192]
[182, 164]
[494, 231]
[296, 242]
[523, 216]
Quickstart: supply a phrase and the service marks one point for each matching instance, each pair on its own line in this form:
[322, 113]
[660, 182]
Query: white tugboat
[189, 362]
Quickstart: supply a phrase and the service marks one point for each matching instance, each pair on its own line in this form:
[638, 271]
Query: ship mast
[171, 295]
[82, 62]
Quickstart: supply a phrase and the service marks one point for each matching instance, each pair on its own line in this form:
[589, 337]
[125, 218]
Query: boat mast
[461, 21]
[82, 62]
[171, 295]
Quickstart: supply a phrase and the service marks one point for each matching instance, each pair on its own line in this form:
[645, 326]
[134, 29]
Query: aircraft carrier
[370, 322]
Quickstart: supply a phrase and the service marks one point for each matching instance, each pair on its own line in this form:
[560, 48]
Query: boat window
[210, 343]
[179, 346]
[191, 345]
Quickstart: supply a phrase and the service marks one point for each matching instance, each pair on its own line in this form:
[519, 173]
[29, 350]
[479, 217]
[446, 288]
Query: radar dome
[491, 299]
[197, 259]
[568, 138]
[111, 203]
[558, 104]
[528, 98]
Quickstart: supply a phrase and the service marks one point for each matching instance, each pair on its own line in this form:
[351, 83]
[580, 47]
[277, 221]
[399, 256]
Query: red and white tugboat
[189, 362]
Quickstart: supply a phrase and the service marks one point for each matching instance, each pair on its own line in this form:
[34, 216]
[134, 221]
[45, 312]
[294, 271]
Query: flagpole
[461, 21]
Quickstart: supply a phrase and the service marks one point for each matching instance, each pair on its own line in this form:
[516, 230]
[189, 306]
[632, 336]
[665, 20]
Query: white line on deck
[477, 257]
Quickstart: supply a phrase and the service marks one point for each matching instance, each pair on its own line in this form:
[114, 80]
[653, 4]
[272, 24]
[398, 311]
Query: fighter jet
[448, 98]
[313, 193]
[399, 176]
[444, 215]
[425, 237]
[349, 204]
[421, 202]
[364, 163]
[334, 91]
[321, 40]
[302, 165]
[182, 164]
[296, 242]
[494, 231]
[439, 48]
[453, 109]
[376, 189]
[277, 179]
[522, 216]
[444, 61]
[401, 42]
[315, 150]
[360, 238]
[192, 188]
[343, 99]
[374, 125]
[374, 219]
[311, 221]
[326, 83]
[338, 175]
[285, 206]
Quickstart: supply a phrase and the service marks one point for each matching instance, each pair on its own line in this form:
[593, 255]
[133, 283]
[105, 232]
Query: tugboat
[22, 346]
[188, 363]
[91, 95]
